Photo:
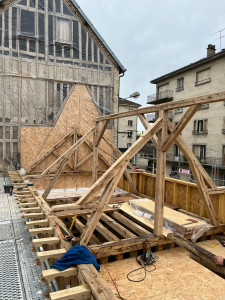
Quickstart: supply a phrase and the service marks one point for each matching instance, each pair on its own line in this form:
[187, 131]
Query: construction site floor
[176, 277]
[19, 276]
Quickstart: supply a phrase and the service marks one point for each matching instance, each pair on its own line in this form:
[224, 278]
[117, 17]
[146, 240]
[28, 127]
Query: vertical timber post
[95, 153]
[160, 176]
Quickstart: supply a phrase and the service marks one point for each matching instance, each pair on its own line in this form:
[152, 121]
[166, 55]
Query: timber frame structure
[95, 202]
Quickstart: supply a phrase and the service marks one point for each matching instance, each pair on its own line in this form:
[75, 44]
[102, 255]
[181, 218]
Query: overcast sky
[154, 37]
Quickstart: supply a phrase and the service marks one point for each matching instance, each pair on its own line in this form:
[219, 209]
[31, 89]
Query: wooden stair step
[28, 204]
[46, 241]
[43, 230]
[81, 292]
[31, 209]
[51, 274]
[34, 216]
[57, 254]
[40, 223]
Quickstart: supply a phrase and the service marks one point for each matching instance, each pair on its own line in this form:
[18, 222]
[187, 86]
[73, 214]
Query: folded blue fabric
[74, 256]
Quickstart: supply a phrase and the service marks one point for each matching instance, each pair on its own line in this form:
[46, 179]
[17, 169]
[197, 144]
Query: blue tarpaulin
[74, 256]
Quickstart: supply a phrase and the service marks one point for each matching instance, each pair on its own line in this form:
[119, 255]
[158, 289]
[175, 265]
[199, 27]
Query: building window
[200, 127]
[128, 145]
[179, 110]
[130, 123]
[223, 129]
[27, 23]
[180, 84]
[200, 152]
[63, 31]
[177, 151]
[129, 134]
[203, 76]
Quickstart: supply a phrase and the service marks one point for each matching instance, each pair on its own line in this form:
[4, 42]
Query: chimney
[211, 50]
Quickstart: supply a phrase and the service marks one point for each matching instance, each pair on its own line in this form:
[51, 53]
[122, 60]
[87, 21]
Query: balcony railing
[161, 97]
[210, 161]
[152, 118]
[196, 132]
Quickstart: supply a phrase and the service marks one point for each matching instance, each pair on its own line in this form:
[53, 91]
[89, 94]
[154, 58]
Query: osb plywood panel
[195, 201]
[177, 277]
[79, 112]
[66, 181]
[181, 195]
[169, 214]
[169, 192]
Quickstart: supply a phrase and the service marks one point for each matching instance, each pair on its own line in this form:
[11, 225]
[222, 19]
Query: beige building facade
[205, 133]
[127, 127]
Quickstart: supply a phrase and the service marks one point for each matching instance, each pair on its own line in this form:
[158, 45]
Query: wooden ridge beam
[204, 99]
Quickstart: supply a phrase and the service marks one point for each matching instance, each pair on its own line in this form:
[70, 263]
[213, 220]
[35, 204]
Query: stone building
[127, 127]
[47, 47]
[204, 134]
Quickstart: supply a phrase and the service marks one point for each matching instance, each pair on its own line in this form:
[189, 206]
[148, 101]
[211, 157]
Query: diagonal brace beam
[180, 126]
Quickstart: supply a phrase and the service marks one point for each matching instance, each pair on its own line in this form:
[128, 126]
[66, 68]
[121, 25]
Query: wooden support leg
[160, 180]
[95, 217]
[58, 173]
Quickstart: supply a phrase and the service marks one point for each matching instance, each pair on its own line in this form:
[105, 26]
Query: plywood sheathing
[176, 277]
[79, 113]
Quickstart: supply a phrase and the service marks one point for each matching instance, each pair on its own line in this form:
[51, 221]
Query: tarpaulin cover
[74, 256]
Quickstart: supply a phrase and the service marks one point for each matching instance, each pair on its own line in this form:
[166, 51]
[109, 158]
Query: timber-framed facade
[47, 47]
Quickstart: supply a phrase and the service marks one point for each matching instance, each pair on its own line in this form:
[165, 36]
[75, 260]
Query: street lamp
[134, 95]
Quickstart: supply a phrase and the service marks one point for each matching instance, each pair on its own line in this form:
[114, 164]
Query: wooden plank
[37, 223]
[106, 233]
[43, 230]
[31, 209]
[139, 230]
[127, 245]
[46, 241]
[28, 204]
[57, 254]
[51, 274]
[179, 127]
[99, 288]
[34, 216]
[121, 230]
[81, 227]
[81, 292]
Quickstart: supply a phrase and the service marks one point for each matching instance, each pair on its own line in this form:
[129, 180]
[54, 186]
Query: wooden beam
[55, 178]
[57, 254]
[51, 274]
[39, 223]
[68, 152]
[123, 160]
[46, 241]
[146, 125]
[160, 178]
[189, 155]
[180, 126]
[204, 193]
[204, 99]
[199, 254]
[43, 230]
[80, 292]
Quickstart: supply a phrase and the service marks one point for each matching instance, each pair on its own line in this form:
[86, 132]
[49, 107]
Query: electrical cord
[146, 259]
